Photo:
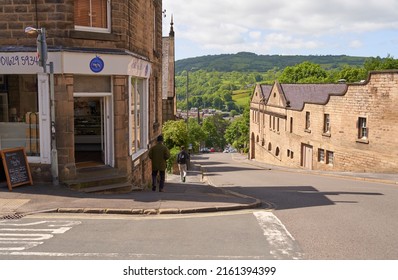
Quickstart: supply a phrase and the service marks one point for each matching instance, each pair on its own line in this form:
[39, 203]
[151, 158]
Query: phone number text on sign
[19, 60]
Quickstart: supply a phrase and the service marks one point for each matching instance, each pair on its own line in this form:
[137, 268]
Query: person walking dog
[159, 154]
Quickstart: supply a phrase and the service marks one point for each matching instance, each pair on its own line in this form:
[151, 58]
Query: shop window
[156, 100]
[19, 113]
[138, 117]
[92, 15]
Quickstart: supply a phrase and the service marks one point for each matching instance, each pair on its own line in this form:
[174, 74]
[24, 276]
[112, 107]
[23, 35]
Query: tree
[196, 134]
[175, 133]
[237, 133]
[218, 103]
[214, 128]
[352, 74]
[306, 72]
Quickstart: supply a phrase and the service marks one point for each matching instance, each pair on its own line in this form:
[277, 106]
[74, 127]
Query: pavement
[196, 195]
[193, 196]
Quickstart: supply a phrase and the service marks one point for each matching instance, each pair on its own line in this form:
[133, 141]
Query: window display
[19, 119]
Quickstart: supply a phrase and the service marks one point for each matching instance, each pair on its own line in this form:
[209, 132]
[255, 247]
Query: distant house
[335, 127]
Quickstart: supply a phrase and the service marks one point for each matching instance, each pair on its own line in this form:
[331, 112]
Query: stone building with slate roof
[107, 82]
[332, 127]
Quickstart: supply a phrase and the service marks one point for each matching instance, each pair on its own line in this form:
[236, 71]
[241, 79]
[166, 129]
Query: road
[329, 217]
[229, 235]
[304, 217]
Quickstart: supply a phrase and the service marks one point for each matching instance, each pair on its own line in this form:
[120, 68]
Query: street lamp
[42, 54]
[41, 45]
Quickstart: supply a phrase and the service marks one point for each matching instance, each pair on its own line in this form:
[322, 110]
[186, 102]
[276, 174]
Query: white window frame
[144, 111]
[329, 157]
[43, 91]
[97, 29]
[307, 121]
[362, 128]
[321, 155]
[326, 123]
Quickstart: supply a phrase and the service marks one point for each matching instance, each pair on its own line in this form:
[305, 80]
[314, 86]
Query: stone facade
[168, 89]
[132, 43]
[334, 127]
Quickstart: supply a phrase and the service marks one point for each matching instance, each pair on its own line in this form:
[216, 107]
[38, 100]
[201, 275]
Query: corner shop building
[101, 110]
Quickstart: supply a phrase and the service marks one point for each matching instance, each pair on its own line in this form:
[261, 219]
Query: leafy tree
[218, 103]
[196, 134]
[377, 63]
[214, 128]
[237, 133]
[306, 72]
[175, 133]
[233, 113]
[352, 73]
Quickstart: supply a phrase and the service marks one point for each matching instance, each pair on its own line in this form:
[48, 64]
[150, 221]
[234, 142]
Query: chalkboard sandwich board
[16, 167]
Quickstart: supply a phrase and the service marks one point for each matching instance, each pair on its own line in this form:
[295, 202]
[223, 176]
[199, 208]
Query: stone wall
[374, 100]
[133, 28]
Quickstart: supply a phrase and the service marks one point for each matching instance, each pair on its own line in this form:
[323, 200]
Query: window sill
[307, 130]
[90, 35]
[363, 141]
[138, 154]
[326, 134]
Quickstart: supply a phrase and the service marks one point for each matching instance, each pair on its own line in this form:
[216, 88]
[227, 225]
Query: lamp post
[42, 54]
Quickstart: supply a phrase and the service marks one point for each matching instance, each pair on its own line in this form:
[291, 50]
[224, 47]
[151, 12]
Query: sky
[283, 27]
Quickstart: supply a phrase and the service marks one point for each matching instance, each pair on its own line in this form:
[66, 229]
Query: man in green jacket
[159, 154]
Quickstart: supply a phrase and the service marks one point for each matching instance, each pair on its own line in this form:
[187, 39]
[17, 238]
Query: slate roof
[299, 94]
[266, 91]
[296, 95]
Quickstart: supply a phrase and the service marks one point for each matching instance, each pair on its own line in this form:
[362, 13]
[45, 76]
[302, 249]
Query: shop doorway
[92, 131]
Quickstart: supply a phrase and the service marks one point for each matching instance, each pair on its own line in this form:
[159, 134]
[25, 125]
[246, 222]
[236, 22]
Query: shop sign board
[16, 167]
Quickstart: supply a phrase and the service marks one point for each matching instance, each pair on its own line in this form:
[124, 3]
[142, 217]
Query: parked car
[230, 150]
[204, 150]
[212, 150]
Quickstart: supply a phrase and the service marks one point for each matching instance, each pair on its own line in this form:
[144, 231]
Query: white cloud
[355, 44]
[255, 35]
[304, 25]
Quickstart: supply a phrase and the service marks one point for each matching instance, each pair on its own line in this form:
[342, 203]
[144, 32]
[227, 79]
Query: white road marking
[53, 231]
[20, 235]
[281, 241]
[18, 245]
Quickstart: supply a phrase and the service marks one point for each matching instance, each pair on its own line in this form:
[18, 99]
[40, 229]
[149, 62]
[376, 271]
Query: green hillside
[250, 62]
[226, 82]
